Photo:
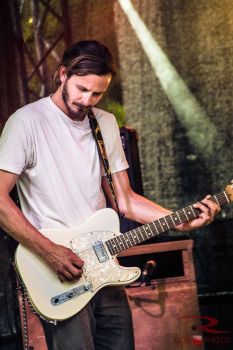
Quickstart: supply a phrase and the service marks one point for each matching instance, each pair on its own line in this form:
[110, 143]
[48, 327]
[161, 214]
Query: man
[47, 148]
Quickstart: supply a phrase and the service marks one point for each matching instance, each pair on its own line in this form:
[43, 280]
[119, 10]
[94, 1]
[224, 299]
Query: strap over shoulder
[102, 152]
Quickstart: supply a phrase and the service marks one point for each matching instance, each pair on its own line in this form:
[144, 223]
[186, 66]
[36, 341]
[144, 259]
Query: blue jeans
[104, 324]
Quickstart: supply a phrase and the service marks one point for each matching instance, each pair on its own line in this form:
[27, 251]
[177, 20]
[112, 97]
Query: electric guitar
[97, 242]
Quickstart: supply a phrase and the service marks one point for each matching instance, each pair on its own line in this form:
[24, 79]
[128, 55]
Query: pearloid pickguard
[107, 272]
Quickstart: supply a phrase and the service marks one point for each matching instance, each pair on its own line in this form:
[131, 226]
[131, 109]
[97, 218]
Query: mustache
[81, 106]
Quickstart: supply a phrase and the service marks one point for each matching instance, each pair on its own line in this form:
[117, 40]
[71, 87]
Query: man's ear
[63, 74]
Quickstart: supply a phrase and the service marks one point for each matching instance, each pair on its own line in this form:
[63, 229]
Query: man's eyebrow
[84, 88]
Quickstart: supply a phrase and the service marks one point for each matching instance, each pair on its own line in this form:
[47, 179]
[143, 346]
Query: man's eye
[97, 93]
[81, 88]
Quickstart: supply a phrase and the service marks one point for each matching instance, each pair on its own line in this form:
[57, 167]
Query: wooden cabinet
[165, 313]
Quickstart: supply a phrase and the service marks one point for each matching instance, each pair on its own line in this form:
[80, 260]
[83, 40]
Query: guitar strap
[96, 132]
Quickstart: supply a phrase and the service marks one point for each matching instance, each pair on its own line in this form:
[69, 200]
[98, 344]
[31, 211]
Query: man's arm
[140, 209]
[61, 259]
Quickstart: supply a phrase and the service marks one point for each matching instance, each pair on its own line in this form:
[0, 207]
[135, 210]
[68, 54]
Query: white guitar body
[54, 300]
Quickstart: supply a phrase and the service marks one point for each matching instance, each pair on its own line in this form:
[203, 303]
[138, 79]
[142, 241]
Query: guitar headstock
[229, 191]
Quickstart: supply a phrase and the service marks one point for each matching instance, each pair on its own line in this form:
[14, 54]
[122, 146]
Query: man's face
[80, 93]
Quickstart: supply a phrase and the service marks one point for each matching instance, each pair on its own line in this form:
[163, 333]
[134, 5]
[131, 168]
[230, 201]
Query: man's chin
[81, 111]
[77, 115]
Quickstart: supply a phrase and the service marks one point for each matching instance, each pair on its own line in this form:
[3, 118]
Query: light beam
[200, 129]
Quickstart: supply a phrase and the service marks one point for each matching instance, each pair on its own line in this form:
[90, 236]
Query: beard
[79, 111]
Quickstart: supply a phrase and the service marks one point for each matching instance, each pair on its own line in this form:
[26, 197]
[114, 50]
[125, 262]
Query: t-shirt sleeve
[117, 159]
[15, 146]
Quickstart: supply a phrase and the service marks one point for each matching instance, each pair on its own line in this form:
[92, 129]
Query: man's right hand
[60, 259]
[66, 264]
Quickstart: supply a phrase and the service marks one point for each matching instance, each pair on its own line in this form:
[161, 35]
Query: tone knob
[87, 285]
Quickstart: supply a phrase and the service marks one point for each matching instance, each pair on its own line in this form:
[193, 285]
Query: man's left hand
[208, 211]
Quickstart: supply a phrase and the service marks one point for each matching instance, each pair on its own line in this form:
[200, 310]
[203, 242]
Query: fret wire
[228, 200]
[185, 214]
[120, 238]
[160, 225]
[216, 200]
[163, 223]
[135, 233]
[150, 232]
[178, 216]
[112, 249]
[157, 232]
[109, 246]
[157, 223]
[144, 233]
[144, 228]
[132, 234]
[117, 242]
[181, 215]
[188, 211]
[114, 243]
[172, 220]
[131, 239]
[224, 199]
[126, 239]
[220, 198]
[193, 211]
[140, 236]
[152, 228]
[197, 212]
[168, 221]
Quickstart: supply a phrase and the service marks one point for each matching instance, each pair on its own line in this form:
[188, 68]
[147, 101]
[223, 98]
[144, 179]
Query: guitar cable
[147, 272]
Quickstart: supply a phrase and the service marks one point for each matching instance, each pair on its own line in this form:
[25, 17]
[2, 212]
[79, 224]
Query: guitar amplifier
[129, 140]
[165, 311]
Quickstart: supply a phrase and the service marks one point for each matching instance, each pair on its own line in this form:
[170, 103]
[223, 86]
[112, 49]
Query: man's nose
[86, 99]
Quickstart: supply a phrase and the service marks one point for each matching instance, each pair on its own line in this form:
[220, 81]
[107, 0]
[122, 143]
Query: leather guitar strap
[102, 153]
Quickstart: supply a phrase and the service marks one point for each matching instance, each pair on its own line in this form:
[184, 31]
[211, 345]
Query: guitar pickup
[100, 251]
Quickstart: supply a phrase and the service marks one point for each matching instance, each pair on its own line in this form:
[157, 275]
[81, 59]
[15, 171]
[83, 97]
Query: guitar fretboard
[131, 238]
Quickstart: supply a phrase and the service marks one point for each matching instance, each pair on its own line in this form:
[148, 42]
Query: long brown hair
[85, 57]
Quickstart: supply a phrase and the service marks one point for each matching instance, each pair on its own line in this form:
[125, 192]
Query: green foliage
[114, 107]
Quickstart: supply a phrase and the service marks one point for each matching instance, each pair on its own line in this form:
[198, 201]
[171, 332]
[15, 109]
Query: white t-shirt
[58, 162]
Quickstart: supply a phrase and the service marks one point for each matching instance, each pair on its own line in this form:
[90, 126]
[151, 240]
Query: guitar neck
[134, 237]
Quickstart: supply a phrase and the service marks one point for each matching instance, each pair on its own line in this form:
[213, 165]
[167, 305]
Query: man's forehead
[92, 80]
